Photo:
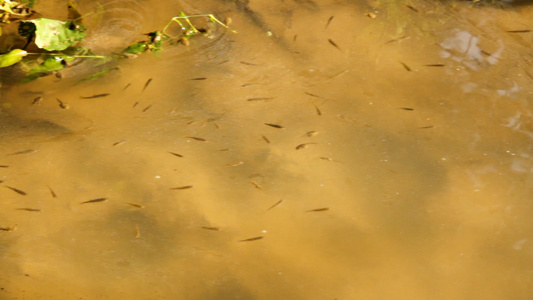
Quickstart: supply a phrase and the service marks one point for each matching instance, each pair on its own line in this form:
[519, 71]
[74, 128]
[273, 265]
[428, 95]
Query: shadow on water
[328, 150]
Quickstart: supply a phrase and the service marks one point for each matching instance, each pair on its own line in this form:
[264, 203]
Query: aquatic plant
[57, 40]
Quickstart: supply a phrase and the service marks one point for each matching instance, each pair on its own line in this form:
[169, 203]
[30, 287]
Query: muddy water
[400, 166]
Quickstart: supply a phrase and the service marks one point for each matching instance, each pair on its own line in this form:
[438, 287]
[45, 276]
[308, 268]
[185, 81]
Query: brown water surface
[403, 168]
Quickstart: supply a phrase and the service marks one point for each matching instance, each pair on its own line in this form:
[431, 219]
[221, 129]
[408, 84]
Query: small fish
[223, 150]
[197, 138]
[135, 205]
[329, 21]
[412, 8]
[9, 228]
[301, 146]
[426, 127]
[398, 39]
[37, 100]
[294, 38]
[185, 187]
[211, 228]
[405, 66]
[176, 154]
[199, 78]
[334, 44]
[235, 164]
[137, 232]
[248, 64]
[135, 104]
[274, 125]
[127, 86]
[275, 204]
[146, 84]
[256, 185]
[252, 239]
[96, 96]
[407, 108]
[52, 192]
[326, 158]
[247, 84]
[20, 192]
[23, 152]
[61, 104]
[435, 65]
[312, 95]
[310, 133]
[118, 143]
[371, 15]
[30, 209]
[4, 166]
[264, 138]
[318, 112]
[147, 108]
[520, 31]
[318, 209]
[260, 99]
[94, 200]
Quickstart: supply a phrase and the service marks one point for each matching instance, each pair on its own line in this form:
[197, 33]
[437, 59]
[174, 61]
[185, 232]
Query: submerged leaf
[55, 35]
[12, 57]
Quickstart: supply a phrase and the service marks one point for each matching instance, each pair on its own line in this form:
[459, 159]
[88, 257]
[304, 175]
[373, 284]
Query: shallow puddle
[327, 150]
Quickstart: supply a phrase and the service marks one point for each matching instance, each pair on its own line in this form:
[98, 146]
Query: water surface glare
[327, 150]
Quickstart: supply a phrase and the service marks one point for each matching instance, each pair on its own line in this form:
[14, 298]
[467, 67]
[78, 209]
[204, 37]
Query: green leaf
[136, 48]
[55, 63]
[12, 57]
[55, 35]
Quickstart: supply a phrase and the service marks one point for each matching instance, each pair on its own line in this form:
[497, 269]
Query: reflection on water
[328, 150]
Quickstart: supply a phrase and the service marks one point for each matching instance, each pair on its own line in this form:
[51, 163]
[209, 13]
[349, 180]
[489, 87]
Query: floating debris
[137, 232]
[94, 200]
[252, 239]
